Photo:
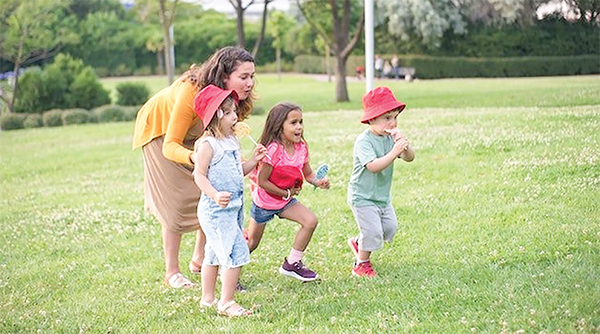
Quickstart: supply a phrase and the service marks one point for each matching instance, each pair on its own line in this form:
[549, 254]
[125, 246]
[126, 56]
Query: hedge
[456, 67]
[12, 121]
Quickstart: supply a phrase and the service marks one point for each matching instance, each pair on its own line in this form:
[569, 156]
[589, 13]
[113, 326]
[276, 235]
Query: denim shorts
[261, 215]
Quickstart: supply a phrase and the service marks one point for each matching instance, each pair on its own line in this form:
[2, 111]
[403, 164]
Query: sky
[225, 6]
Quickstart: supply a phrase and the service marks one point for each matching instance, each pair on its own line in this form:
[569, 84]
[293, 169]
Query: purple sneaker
[298, 271]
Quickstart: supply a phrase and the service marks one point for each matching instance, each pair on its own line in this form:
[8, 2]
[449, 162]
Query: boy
[375, 150]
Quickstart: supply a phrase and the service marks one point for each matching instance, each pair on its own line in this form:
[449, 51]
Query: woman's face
[293, 127]
[241, 80]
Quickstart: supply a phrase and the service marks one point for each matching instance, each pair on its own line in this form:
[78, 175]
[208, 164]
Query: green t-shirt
[367, 188]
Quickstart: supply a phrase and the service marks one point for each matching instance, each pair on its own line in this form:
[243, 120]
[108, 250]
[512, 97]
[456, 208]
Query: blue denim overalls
[225, 243]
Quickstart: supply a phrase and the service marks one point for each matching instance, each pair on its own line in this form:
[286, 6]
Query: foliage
[12, 121]
[86, 91]
[66, 83]
[132, 93]
[53, 117]
[422, 20]
[109, 42]
[33, 121]
[109, 113]
[75, 116]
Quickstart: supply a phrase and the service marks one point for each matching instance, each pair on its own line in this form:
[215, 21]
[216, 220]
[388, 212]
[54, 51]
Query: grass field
[499, 222]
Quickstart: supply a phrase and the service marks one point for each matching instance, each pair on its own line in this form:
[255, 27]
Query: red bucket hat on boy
[208, 101]
[377, 102]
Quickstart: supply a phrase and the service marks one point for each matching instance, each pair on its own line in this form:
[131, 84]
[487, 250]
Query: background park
[498, 213]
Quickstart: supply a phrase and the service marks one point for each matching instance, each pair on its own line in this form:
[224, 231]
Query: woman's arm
[180, 121]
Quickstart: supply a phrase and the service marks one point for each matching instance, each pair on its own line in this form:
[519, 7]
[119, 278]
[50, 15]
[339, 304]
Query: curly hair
[218, 68]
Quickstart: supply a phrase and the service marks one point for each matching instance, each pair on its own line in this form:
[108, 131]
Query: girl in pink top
[279, 179]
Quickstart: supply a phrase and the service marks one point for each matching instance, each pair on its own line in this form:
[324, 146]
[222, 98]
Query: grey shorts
[376, 224]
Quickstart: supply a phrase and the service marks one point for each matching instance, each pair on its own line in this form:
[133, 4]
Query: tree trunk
[263, 25]
[278, 56]
[341, 91]
[240, 26]
[169, 56]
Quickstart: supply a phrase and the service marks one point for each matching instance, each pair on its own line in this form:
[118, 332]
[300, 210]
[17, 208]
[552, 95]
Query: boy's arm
[379, 164]
[408, 154]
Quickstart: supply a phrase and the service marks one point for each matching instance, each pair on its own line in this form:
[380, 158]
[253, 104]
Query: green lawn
[499, 222]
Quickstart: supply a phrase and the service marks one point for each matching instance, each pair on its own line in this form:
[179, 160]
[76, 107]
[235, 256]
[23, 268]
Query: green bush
[428, 67]
[52, 118]
[87, 92]
[132, 93]
[75, 116]
[130, 113]
[33, 121]
[66, 83]
[109, 113]
[143, 71]
[12, 121]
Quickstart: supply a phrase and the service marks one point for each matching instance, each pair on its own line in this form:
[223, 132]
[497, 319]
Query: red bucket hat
[377, 102]
[208, 101]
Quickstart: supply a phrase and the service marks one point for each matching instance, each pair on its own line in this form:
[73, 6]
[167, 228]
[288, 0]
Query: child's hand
[400, 145]
[259, 152]
[322, 183]
[295, 191]
[395, 133]
[222, 198]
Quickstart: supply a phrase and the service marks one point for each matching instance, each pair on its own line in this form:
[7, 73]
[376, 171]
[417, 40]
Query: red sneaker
[363, 269]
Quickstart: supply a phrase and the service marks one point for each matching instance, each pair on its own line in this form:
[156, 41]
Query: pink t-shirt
[279, 157]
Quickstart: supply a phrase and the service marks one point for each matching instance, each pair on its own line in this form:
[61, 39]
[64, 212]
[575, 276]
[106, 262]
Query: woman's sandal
[195, 267]
[178, 281]
[204, 304]
[224, 310]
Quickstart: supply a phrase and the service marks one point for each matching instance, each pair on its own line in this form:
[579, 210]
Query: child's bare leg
[229, 279]
[363, 255]
[308, 223]
[209, 281]
[198, 255]
[255, 233]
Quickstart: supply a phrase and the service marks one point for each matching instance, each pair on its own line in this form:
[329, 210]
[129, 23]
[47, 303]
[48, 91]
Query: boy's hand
[222, 198]
[400, 146]
[395, 133]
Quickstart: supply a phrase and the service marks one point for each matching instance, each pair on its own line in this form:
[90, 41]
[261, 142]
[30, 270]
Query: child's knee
[311, 222]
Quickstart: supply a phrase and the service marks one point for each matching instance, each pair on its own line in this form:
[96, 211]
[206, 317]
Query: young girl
[286, 162]
[219, 173]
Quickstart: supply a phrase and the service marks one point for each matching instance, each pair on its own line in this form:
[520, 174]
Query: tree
[32, 30]
[333, 22]
[240, 8]
[166, 13]
[423, 20]
[280, 25]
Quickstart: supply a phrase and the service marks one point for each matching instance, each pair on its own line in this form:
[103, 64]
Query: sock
[358, 260]
[295, 256]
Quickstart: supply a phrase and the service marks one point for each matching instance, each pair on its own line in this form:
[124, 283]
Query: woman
[166, 129]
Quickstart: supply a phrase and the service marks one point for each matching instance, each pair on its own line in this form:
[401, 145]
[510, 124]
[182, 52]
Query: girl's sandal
[204, 304]
[178, 281]
[225, 310]
[195, 267]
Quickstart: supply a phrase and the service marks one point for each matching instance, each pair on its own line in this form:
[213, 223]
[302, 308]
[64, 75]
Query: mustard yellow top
[170, 113]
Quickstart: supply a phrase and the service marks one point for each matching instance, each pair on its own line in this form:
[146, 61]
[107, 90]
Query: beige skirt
[170, 193]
